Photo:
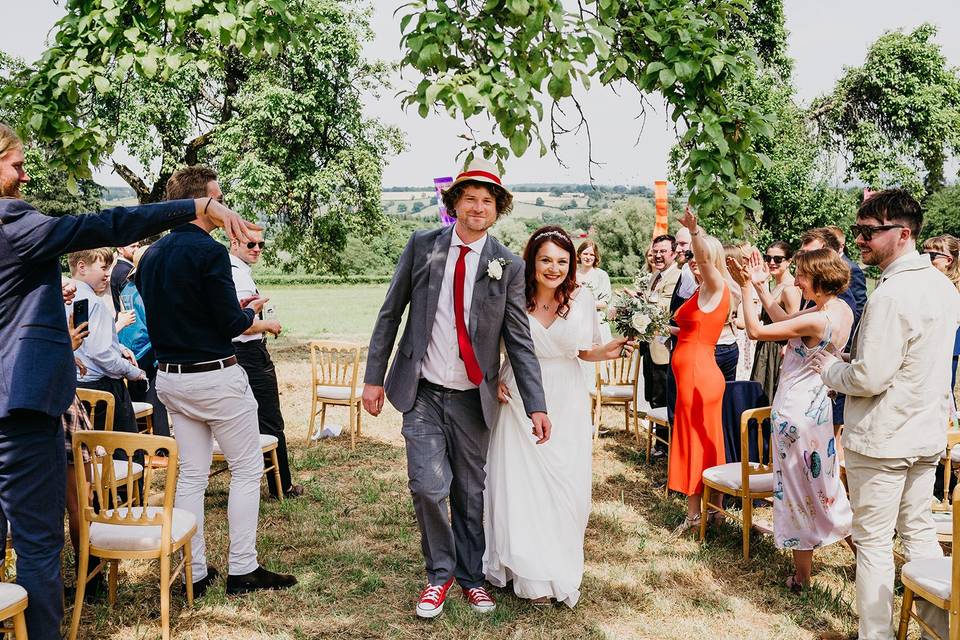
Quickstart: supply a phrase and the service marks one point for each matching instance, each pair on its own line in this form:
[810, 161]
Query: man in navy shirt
[193, 315]
[37, 373]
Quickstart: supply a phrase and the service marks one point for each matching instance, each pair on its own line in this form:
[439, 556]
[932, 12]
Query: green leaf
[132, 34]
[621, 64]
[36, 121]
[667, 78]
[653, 34]
[518, 144]
[148, 64]
[559, 87]
[72, 185]
[101, 83]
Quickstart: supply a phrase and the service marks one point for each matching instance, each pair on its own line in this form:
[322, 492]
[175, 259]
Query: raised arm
[712, 279]
[37, 237]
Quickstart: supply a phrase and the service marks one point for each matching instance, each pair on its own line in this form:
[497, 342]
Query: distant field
[328, 312]
[524, 203]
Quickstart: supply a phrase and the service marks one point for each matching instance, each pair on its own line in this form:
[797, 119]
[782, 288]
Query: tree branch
[132, 179]
[193, 147]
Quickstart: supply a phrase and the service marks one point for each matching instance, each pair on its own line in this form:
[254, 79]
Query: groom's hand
[372, 399]
[541, 426]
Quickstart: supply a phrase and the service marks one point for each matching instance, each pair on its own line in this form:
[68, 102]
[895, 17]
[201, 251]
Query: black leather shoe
[200, 586]
[258, 579]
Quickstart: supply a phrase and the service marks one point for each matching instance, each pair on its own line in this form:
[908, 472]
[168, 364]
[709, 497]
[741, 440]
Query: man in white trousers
[898, 400]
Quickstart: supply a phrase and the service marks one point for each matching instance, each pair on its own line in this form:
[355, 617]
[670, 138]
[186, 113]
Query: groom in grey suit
[465, 293]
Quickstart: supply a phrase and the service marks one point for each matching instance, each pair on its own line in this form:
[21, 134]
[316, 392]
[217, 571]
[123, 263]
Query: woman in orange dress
[697, 440]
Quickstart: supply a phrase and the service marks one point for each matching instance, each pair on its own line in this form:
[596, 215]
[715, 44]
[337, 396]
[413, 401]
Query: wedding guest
[590, 275]
[855, 295]
[897, 386]
[192, 316]
[108, 364]
[122, 266]
[697, 427]
[944, 254]
[656, 353]
[534, 537]
[35, 347]
[769, 355]
[648, 259]
[252, 353]
[810, 506]
[135, 337]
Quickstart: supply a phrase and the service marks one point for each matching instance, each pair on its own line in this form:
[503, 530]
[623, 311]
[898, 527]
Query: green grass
[338, 312]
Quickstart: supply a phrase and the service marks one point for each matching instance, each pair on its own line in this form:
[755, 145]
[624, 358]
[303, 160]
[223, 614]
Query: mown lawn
[353, 543]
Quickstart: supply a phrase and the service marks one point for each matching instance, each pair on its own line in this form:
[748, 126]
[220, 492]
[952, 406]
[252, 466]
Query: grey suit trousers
[446, 442]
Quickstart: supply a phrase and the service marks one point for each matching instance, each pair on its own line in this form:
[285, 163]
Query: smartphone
[81, 312]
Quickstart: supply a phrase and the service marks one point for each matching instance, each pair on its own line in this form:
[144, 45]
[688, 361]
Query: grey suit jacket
[498, 310]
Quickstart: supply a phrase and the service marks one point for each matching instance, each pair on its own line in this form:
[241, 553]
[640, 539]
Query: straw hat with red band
[482, 172]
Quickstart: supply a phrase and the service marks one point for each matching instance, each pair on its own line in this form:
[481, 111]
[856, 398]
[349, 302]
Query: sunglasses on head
[867, 230]
[261, 244]
[774, 259]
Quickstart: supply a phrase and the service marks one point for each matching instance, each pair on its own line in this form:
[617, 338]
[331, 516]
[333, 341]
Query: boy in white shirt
[107, 362]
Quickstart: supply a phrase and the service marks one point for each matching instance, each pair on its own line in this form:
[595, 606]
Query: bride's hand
[738, 272]
[618, 348]
[503, 393]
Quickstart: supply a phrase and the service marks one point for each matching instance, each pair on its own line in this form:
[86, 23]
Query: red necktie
[463, 338]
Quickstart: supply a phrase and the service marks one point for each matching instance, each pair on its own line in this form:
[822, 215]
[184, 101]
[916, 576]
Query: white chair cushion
[120, 537]
[933, 574]
[120, 469]
[11, 594]
[337, 393]
[729, 475]
[943, 521]
[614, 391]
[660, 413]
[954, 454]
[265, 441]
[142, 408]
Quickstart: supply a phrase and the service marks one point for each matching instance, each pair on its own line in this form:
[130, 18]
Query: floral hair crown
[557, 234]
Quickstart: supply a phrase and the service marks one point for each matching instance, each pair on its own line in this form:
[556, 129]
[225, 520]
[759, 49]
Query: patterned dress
[810, 507]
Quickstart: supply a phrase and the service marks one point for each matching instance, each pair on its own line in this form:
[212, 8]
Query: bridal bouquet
[637, 316]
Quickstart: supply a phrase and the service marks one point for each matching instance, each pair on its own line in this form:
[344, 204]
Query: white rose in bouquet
[640, 321]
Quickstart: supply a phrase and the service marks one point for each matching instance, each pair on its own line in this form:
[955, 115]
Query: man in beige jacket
[898, 398]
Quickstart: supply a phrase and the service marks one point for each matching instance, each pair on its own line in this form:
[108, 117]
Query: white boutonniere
[495, 268]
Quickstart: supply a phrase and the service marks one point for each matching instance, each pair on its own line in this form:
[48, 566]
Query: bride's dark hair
[562, 293]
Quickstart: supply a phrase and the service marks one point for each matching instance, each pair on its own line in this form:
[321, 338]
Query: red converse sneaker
[431, 600]
[480, 600]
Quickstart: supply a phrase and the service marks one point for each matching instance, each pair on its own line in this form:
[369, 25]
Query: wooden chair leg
[649, 440]
[313, 418]
[636, 422]
[704, 508]
[112, 582]
[323, 416]
[666, 485]
[353, 433]
[20, 626]
[83, 563]
[596, 417]
[747, 506]
[626, 416]
[905, 613]
[359, 414]
[274, 461]
[165, 597]
[188, 571]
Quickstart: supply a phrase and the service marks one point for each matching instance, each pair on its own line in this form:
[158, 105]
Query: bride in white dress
[538, 492]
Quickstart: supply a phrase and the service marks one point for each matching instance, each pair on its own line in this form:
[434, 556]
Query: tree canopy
[519, 61]
[266, 91]
[897, 116]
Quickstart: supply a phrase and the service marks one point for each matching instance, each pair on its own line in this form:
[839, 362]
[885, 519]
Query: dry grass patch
[353, 543]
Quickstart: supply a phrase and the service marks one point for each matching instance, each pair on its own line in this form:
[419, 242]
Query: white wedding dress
[537, 498]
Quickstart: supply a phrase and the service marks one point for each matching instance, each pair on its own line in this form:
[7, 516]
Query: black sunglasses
[935, 254]
[261, 244]
[867, 230]
[773, 259]
[688, 254]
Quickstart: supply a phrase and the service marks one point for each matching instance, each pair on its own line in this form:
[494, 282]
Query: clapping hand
[738, 271]
[759, 273]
